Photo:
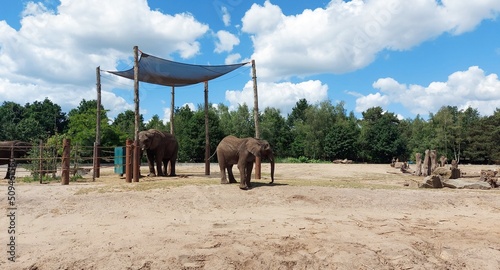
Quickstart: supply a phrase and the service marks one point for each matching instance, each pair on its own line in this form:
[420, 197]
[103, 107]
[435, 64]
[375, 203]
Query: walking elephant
[161, 147]
[242, 151]
[18, 148]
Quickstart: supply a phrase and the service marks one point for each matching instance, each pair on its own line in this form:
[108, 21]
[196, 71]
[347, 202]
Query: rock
[431, 181]
[464, 184]
[443, 172]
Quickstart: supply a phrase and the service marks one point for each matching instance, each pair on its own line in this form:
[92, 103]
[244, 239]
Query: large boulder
[431, 181]
[464, 184]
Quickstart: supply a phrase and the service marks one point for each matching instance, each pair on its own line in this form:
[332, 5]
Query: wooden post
[136, 160]
[40, 164]
[96, 165]
[256, 118]
[207, 135]
[65, 162]
[128, 161]
[172, 106]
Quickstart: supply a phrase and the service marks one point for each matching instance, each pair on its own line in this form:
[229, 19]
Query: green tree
[184, 124]
[156, 123]
[341, 141]
[11, 115]
[274, 129]
[296, 122]
[124, 125]
[49, 116]
[380, 139]
[82, 129]
[243, 122]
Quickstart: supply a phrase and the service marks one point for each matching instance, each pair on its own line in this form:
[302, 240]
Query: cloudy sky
[409, 57]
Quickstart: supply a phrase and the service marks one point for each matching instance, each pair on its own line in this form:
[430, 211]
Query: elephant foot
[244, 188]
[224, 182]
[152, 174]
[172, 175]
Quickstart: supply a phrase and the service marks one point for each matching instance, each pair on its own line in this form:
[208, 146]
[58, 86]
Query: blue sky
[408, 57]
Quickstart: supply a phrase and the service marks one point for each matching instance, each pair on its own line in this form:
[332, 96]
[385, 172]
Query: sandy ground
[316, 216]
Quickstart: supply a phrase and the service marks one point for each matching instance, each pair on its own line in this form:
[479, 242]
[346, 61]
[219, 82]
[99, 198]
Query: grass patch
[147, 185]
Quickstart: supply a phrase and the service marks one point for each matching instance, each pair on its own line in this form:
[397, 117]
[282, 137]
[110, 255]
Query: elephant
[242, 151]
[161, 147]
[20, 149]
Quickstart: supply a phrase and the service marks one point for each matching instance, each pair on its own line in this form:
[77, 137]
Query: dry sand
[316, 216]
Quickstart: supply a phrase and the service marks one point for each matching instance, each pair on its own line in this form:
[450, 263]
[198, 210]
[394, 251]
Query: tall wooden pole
[97, 142]
[255, 101]
[136, 159]
[65, 162]
[256, 118]
[207, 135]
[172, 104]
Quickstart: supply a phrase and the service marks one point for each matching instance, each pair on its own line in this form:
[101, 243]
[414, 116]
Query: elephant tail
[212, 155]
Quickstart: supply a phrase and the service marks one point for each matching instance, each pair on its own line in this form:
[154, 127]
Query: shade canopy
[169, 73]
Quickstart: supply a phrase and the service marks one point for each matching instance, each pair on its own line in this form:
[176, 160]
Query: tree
[49, 116]
[380, 140]
[11, 114]
[156, 123]
[296, 124]
[124, 125]
[82, 128]
[243, 122]
[341, 141]
[183, 127]
[274, 129]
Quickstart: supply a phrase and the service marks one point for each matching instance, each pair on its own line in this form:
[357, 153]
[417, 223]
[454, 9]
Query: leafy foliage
[310, 133]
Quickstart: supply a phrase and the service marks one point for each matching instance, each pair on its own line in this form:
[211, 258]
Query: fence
[42, 160]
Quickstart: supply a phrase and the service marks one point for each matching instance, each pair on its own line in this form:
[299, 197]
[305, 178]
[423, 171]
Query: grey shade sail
[160, 71]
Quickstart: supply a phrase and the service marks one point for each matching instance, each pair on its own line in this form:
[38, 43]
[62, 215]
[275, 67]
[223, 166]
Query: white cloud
[226, 41]
[55, 53]
[232, 59]
[346, 36]
[282, 96]
[226, 17]
[469, 88]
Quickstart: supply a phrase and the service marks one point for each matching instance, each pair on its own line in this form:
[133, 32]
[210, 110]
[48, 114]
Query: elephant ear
[254, 146]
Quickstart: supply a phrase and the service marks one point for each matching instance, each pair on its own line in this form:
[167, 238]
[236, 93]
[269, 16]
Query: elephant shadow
[266, 184]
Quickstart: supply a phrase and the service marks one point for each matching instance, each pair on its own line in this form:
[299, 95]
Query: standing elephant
[20, 149]
[161, 147]
[242, 151]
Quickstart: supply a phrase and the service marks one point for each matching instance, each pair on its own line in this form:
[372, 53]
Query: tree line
[310, 133]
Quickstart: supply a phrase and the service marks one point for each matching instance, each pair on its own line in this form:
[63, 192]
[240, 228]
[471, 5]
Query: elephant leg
[248, 174]
[230, 174]
[159, 166]
[166, 164]
[151, 164]
[172, 167]
[243, 177]
[222, 167]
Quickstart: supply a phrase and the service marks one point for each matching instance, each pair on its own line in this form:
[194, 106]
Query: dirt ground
[315, 216]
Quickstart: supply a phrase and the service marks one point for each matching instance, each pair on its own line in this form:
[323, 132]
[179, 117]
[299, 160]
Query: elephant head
[150, 139]
[262, 149]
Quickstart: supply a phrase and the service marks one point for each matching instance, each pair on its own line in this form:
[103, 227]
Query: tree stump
[455, 171]
[433, 160]
[418, 162]
[426, 166]
[442, 161]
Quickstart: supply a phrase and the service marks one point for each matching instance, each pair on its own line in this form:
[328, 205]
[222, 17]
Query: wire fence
[44, 161]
